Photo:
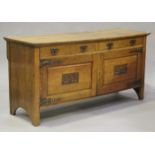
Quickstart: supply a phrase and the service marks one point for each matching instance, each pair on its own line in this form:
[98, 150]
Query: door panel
[64, 79]
[117, 70]
[72, 79]
[120, 69]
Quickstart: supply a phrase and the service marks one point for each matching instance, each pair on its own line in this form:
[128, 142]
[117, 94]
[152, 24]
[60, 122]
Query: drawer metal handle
[110, 45]
[83, 48]
[54, 51]
[132, 42]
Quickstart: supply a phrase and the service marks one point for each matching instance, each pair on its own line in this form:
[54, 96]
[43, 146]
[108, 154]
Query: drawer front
[122, 43]
[66, 49]
[120, 69]
[53, 51]
[116, 53]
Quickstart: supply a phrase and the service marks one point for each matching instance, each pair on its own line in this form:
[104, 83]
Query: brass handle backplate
[83, 48]
[132, 42]
[54, 51]
[110, 45]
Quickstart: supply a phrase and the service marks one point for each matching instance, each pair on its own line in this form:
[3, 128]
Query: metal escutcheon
[54, 51]
[132, 42]
[110, 45]
[83, 48]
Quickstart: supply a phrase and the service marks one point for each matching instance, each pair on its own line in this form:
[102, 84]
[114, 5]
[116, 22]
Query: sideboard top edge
[42, 40]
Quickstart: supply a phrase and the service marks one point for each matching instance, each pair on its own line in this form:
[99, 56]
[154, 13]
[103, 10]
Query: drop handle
[132, 42]
[54, 51]
[83, 48]
[110, 45]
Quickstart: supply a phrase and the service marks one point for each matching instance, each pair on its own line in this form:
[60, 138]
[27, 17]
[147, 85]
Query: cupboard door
[120, 69]
[117, 70]
[69, 80]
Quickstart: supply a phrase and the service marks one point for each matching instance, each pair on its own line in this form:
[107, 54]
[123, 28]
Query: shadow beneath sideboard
[88, 108]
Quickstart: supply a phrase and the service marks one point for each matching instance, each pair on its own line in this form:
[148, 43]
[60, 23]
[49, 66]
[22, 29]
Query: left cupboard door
[66, 79]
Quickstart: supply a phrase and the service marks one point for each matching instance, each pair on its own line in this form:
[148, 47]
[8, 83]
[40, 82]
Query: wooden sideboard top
[76, 37]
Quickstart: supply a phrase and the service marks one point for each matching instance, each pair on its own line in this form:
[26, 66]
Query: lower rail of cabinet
[34, 114]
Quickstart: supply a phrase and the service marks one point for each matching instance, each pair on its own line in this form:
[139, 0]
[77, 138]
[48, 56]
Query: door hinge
[140, 50]
[137, 50]
[47, 62]
[44, 101]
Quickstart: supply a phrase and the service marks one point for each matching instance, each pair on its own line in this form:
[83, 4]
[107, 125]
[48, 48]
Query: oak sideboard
[50, 70]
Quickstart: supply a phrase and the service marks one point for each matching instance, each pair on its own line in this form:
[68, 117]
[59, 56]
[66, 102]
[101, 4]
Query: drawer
[116, 53]
[120, 69]
[53, 51]
[66, 49]
[122, 43]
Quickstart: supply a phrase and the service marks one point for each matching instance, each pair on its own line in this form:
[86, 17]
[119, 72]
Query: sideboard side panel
[141, 71]
[24, 80]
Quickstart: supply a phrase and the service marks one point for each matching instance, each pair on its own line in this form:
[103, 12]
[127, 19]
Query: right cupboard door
[118, 70]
